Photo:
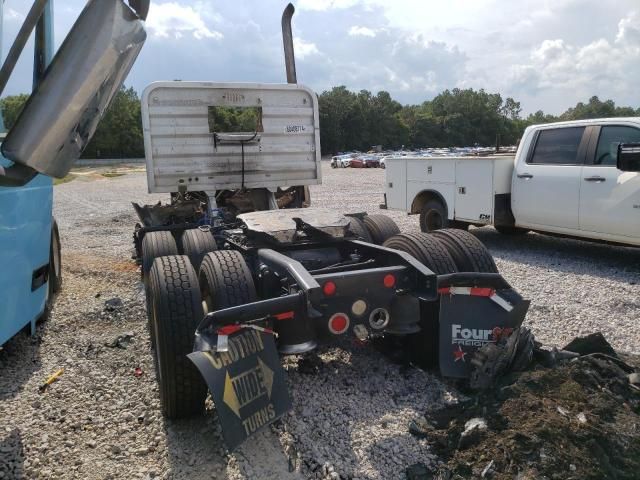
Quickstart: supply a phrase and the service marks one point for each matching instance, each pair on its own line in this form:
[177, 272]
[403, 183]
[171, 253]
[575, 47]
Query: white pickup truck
[566, 178]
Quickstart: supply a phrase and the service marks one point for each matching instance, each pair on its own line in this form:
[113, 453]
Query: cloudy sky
[548, 54]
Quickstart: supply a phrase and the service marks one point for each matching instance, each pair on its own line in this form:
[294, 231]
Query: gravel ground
[102, 420]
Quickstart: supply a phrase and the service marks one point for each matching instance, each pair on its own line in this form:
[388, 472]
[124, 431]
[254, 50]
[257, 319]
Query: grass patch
[67, 179]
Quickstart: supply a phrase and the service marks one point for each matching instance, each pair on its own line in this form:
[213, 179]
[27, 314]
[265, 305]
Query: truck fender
[426, 195]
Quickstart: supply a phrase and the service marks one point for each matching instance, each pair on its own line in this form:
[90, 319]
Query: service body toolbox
[473, 189]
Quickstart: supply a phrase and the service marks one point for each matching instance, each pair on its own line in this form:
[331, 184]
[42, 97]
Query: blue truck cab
[55, 125]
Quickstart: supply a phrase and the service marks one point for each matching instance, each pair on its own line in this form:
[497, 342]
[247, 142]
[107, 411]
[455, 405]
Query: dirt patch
[580, 420]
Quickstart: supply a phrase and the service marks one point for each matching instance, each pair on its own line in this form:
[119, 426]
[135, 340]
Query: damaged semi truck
[238, 267]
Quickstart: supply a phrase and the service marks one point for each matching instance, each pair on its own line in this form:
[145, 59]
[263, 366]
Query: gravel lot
[102, 421]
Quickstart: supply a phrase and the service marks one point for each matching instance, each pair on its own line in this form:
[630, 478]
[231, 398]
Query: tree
[11, 108]
[119, 134]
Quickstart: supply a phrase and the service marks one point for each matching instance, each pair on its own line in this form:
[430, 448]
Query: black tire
[469, 254]
[176, 311]
[55, 260]
[426, 249]
[225, 280]
[55, 272]
[358, 227]
[422, 348]
[433, 216]
[196, 243]
[381, 228]
[154, 245]
[509, 230]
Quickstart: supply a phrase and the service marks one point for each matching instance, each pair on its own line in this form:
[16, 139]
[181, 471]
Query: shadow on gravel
[196, 451]
[194, 448]
[11, 455]
[19, 359]
[563, 254]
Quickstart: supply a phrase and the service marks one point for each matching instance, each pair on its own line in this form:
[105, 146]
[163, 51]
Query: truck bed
[475, 189]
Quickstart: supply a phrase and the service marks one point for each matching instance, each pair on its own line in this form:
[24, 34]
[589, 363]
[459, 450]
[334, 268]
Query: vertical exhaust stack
[287, 38]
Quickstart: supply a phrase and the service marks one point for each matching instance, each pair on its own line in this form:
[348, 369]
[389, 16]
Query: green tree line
[356, 120]
[458, 117]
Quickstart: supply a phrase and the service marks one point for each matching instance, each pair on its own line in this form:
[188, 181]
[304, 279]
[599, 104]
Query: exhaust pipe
[287, 38]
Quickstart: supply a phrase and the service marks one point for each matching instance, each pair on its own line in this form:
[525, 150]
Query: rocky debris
[474, 430]
[575, 421]
[113, 304]
[121, 341]
[592, 343]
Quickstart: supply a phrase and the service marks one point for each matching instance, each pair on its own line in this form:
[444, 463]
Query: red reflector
[284, 316]
[228, 329]
[329, 288]
[482, 292]
[338, 323]
[444, 291]
[389, 280]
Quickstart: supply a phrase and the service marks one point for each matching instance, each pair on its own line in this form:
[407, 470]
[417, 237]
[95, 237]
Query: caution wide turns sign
[247, 383]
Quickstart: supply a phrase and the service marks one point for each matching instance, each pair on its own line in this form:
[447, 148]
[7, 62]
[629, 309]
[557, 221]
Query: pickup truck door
[546, 184]
[610, 198]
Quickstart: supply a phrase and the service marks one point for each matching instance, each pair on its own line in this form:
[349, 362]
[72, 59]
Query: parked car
[357, 162]
[370, 161]
[341, 161]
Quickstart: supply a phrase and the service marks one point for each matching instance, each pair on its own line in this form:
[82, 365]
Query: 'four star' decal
[459, 354]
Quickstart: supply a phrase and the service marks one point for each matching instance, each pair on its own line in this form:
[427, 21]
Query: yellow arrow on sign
[267, 374]
[229, 397]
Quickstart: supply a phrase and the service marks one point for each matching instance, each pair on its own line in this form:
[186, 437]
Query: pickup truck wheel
[469, 254]
[225, 280]
[358, 227]
[154, 245]
[176, 311]
[380, 228]
[426, 249]
[433, 216]
[196, 243]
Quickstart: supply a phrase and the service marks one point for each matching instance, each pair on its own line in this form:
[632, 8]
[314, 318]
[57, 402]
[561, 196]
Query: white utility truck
[566, 178]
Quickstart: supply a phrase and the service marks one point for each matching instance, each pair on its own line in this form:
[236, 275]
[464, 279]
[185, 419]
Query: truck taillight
[338, 323]
[389, 280]
[329, 288]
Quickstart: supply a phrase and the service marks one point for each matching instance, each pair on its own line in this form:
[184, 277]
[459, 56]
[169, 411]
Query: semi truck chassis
[222, 300]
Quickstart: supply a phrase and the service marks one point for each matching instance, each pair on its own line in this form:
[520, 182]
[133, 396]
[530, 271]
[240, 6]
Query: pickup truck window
[610, 138]
[558, 146]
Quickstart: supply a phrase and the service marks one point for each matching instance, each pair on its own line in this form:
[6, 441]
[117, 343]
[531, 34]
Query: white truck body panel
[587, 197]
[468, 185]
[180, 148]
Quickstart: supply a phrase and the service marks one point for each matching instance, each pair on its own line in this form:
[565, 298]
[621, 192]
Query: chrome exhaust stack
[287, 38]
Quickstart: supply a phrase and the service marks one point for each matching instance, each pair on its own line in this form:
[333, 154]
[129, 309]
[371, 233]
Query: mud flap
[247, 383]
[467, 322]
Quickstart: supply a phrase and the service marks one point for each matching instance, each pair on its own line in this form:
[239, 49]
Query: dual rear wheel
[178, 300]
[443, 252]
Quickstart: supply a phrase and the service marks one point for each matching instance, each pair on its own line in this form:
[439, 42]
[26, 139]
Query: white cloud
[304, 49]
[629, 30]
[174, 20]
[322, 5]
[356, 31]
[600, 67]
[11, 14]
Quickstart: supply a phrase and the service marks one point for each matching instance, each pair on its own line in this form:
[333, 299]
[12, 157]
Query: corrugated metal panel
[180, 149]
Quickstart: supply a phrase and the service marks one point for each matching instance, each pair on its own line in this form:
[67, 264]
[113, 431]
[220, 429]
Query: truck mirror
[62, 114]
[629, 157]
